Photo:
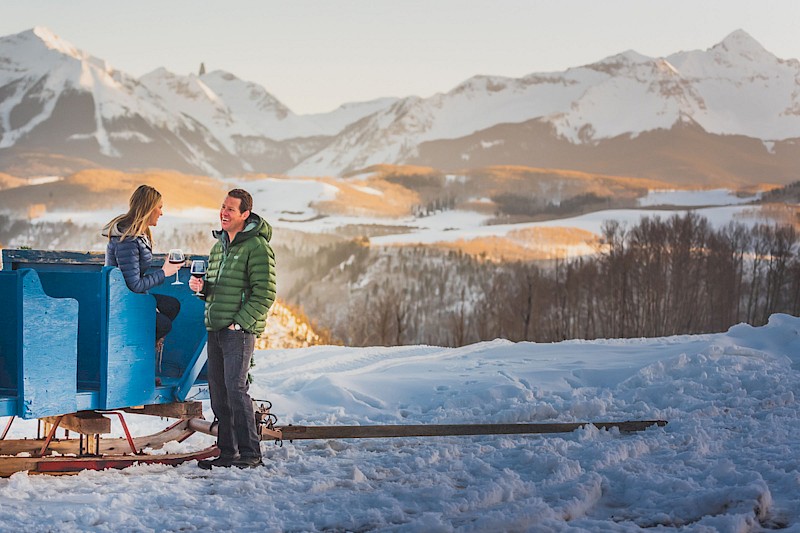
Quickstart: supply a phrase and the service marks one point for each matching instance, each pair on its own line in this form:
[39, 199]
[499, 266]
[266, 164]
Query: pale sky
[314, 55]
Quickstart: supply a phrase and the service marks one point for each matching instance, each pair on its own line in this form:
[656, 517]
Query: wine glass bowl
[198, 270]
[176, 257]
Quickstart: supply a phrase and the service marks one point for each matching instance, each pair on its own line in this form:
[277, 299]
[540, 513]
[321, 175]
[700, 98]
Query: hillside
[683, 155]
[105, 189]
[287, 328]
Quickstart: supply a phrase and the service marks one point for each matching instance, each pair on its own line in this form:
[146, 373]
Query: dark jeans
[229, 355]
[168, 308]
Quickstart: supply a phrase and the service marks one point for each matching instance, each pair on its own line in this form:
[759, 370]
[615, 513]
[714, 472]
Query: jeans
[229, 354]
[168, 308]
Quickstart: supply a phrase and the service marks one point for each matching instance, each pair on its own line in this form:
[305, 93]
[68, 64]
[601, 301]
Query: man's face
[229, 215]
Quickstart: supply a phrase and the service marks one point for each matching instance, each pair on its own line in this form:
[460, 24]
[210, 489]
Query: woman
[130, 247]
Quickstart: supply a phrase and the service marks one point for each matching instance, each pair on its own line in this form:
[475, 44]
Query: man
[239, 288]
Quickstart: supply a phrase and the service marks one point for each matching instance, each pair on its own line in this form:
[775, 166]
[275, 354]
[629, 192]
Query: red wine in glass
[198, 270]
[176, 257]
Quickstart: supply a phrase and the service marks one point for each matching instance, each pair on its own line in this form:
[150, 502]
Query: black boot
[248, 462]
[223, 461]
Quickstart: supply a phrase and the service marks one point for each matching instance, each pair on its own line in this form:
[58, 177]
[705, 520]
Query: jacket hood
[254, 225]
[111, 230]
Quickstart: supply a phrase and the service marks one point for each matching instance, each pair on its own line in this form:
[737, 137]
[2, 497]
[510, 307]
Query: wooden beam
[428, 430]
[434, 430]
[178, 431]
[169, 410]
[83, 422]
[72, 465]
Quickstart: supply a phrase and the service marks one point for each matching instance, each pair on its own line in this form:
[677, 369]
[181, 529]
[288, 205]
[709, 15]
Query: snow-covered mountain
[731, 112]
[732, 92]
[56, 97]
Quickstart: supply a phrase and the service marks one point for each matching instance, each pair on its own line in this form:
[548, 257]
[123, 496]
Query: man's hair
[245, 200]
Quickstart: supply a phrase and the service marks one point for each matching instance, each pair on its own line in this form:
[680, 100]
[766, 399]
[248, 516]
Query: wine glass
[198, 270]
[176, 257]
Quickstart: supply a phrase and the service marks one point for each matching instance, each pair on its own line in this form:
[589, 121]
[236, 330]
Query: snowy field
[727, 461]
[296, 211]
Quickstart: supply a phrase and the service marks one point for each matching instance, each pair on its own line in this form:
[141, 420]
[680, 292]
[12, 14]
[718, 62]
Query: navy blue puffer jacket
[133, 257]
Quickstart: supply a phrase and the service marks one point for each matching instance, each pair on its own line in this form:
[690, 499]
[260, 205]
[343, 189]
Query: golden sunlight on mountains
[372, 197]
[9, 182]
[523, 179]
[528, 244]
[288, 327]
[526, 193]
[96, 189]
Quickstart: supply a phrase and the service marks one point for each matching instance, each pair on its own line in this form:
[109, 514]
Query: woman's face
[155, 215]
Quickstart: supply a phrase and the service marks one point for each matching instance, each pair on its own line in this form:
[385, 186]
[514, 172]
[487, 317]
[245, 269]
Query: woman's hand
[170, 269]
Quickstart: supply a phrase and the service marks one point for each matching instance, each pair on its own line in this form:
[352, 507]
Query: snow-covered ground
[727, 461]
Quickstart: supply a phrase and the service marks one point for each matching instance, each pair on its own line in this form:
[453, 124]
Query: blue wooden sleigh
[75, 343]
[73, 337]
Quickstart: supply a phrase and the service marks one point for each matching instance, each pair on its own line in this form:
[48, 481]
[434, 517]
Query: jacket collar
[111, 231]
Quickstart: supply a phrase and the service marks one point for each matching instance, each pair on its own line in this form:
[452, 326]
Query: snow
[451, 226]
[40, 180]
[230, 107]
[726, 461]
[689, 198]
[283, 200]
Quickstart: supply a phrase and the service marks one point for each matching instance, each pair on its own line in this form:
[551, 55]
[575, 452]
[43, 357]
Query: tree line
[660, 277]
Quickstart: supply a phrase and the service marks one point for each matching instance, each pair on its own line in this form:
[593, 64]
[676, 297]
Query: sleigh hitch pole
[268, 431]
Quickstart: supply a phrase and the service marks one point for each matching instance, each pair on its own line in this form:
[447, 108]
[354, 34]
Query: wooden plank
[14, 259]
[127, 359]
[48, 351]
[85, 423]
[73, 465]
[179, 432]
[432, 430]
[169, 410]
[438, 430]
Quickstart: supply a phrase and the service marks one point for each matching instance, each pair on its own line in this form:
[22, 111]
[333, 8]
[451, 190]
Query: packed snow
[726, 461]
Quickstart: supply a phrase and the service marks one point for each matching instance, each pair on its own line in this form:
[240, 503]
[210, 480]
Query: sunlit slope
[100, 189]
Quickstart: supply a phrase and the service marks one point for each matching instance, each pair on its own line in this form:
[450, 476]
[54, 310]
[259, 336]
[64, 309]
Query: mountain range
[729, 114]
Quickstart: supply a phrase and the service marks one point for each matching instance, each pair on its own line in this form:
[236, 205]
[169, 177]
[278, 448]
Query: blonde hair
[144, 200]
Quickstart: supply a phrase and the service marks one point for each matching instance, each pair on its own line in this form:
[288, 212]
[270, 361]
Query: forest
[670, 276]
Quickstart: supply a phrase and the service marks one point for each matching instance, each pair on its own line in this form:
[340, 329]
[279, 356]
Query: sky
[315, 55]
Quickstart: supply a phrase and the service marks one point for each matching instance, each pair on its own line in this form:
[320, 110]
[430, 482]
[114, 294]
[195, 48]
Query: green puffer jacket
[240, 280]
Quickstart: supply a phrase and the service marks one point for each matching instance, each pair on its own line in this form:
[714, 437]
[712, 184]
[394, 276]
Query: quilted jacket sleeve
[261, 275]
[127, 254]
